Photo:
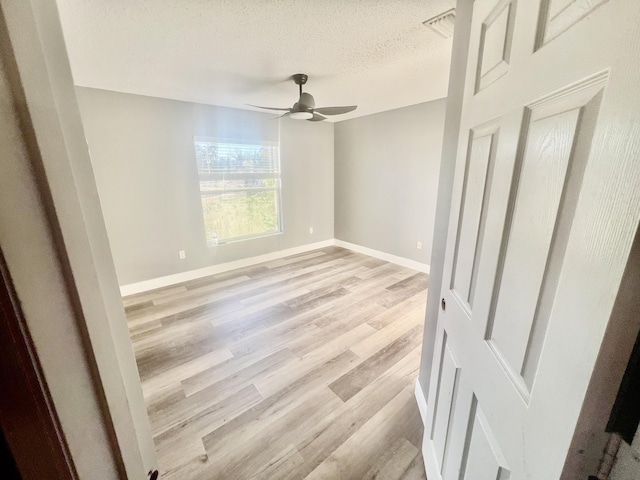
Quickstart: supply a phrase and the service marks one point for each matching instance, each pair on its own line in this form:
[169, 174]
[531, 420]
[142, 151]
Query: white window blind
[239, 188]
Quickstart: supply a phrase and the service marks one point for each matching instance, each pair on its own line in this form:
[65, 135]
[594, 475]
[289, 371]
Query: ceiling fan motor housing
[300, 78]
[303, 108]
[306, 102]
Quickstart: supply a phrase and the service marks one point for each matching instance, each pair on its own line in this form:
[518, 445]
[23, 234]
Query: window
[239, 188]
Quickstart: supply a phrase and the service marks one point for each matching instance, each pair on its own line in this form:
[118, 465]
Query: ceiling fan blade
[286, 114]
[317, 118]
[335, 110]
[268, 108]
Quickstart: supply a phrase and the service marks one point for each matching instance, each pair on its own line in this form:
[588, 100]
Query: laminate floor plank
[301, 367]
[253, 286]
[363, 373]
[301, 333]
[264, 444]
[179, 372]
[284, 334]
[406, 288]
[216, 278]
[354, 457]
[394, 461]
[183, 441]
[320, 443]
[314, 261]
[202, 290]
[386, 270]
[289, 460]
[390, 315]
[297, 367]
[416, 470]
[150, 295]
[144, 330]
[274, 406]
[216, 287]
[179, 331]
[312, 280]
[288, 289]
[220, 372]
[339, 325]
[295, 258]
[175, 409]
[373, 343]
[197, 343]
[358, 301]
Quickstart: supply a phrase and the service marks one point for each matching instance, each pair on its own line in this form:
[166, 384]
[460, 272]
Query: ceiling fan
[305, 107]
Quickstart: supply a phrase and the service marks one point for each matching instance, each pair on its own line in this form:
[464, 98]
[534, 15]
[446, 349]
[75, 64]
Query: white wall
[386, 179]
[143, 157]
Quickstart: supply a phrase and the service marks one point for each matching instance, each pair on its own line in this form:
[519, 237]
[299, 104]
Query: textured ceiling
[373, 53]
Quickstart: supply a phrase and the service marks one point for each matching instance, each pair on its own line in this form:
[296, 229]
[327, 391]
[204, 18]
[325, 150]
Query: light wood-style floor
[302, 367]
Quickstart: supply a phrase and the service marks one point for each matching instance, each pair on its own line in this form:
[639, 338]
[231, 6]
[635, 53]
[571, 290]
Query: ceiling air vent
[442, 24]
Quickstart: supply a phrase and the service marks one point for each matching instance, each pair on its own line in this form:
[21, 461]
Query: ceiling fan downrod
[300, 79]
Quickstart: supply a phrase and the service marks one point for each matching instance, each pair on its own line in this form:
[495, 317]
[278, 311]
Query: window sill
[242, 239]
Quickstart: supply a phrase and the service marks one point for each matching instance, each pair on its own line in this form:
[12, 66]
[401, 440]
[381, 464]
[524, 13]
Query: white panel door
[545, 204]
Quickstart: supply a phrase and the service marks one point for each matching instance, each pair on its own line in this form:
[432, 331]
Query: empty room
[333, 239]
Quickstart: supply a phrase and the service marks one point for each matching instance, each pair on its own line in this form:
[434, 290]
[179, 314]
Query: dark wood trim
[625, 414]
[8, 468]
[27, 414]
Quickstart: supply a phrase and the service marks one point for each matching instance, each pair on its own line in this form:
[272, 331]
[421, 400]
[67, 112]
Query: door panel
[559, 15]
[495, 44]
[546, 184]
[482, 458]
[475, 196]
[539, 233]
[537, 199]
[447, 383]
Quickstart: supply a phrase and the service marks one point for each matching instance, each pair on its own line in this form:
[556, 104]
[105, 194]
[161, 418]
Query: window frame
[275, 175]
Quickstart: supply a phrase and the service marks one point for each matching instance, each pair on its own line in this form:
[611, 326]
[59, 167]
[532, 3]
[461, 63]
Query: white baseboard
[168, 280]
[422, 402]
[404, 262]
[426, 453]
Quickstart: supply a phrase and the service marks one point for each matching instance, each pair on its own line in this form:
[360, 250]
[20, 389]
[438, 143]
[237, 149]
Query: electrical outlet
[182, 254]
[310, 230]
[419, 245]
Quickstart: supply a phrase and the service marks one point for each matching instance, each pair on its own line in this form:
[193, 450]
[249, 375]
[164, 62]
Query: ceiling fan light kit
[301, 115]
[304, 108]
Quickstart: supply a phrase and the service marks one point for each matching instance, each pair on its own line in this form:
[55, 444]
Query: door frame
[27, 415]
[58, 254]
